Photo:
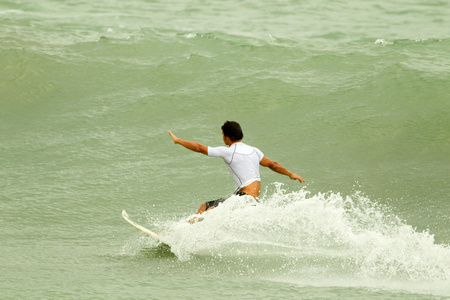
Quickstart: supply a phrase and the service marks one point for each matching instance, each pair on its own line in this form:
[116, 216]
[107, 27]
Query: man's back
[242, 161]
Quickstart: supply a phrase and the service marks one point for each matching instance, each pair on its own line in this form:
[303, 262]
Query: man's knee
[202, 209]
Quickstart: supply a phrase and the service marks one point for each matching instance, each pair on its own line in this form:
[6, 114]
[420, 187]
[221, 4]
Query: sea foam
[327, 233]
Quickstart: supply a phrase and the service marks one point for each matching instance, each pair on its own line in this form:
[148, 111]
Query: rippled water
[354, 97]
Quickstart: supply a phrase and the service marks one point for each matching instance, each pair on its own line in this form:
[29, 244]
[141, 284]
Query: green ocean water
[354, 97]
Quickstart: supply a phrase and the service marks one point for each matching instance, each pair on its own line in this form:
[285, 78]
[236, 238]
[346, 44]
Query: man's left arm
[277, 167]
[196, 147]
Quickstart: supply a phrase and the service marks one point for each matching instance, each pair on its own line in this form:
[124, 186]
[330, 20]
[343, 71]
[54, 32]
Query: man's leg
[202, 209]
[205, 207]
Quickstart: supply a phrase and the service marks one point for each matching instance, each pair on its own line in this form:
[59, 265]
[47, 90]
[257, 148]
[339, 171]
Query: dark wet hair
[232, 130]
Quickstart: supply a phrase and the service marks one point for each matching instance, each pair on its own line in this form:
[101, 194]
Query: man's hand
[296, 177]
[174, 138]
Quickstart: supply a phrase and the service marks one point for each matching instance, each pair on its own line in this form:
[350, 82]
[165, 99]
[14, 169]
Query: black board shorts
[216, 202]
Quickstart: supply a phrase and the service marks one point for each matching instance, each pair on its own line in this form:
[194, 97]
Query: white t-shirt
[242, 161]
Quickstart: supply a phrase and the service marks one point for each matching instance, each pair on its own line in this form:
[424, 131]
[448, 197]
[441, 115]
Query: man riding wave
[242, 161]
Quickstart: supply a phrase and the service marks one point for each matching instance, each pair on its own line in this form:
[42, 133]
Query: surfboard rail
[139, 227]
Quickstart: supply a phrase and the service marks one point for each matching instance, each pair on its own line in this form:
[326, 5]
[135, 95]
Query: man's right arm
[277, 167]
[196, 147]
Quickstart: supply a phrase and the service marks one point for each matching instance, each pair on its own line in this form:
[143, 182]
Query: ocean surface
[354, 96]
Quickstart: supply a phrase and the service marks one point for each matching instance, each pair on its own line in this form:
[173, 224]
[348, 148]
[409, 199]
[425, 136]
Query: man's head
[233, 131]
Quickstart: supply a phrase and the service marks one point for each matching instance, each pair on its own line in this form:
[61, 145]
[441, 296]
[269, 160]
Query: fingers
[174, 138]
[297, 177]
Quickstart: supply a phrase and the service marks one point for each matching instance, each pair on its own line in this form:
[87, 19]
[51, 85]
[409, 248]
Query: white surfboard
[157, 236]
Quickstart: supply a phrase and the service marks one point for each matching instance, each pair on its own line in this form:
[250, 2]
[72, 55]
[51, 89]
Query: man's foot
[195, 220]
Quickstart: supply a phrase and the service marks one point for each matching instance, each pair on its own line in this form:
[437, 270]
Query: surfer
[242, 160]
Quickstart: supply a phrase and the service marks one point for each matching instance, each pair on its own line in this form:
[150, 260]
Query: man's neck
[231, 143]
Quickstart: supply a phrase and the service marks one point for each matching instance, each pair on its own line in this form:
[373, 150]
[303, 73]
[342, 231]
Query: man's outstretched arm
[277, 167]
[190, 145]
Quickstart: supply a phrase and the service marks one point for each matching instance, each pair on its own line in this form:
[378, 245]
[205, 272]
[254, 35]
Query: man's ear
[226, 140]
